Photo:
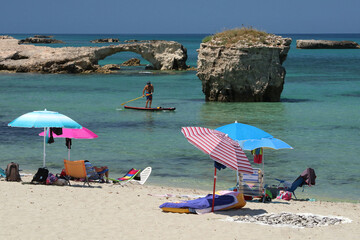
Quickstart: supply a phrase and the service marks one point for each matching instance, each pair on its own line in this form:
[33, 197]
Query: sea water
[318, 115]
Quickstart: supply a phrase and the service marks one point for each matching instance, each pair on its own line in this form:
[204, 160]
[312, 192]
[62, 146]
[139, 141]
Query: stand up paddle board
[151, 109]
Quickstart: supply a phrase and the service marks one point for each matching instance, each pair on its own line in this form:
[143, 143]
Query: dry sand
[107, 211]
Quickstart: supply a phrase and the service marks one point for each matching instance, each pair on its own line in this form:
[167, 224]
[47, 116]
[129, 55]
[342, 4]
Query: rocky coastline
[247, 70]
[15, 57]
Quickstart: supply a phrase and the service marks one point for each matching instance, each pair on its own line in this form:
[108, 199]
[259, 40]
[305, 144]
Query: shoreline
[107, 210]
[159, 183]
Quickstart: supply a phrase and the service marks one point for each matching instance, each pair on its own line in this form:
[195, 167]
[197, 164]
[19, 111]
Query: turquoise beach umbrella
[44, 119]
[272, 143]
[239, 131]
[250, 137]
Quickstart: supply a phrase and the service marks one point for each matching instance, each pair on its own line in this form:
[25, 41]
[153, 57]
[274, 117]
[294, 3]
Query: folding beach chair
[252, 185]
[92, 174]
[127, 177]
[142, 177]
[307, 177]
[76, 169]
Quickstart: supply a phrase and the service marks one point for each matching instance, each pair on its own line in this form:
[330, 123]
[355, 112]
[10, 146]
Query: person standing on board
[148, 91]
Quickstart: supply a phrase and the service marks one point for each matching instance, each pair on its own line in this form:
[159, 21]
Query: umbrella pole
[44, 146]
[237, 181]
[68, 154]
[213, 201]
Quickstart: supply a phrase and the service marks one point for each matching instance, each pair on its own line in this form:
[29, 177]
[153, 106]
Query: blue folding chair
[291, 187]
[307, 177]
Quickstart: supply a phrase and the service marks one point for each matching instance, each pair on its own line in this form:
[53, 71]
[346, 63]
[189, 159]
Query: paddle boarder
[148, 91]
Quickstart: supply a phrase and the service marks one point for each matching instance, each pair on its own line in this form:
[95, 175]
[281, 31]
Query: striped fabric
[219, 146]
[130, 175]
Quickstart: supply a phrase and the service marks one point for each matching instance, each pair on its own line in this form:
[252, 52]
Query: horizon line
[32, 33]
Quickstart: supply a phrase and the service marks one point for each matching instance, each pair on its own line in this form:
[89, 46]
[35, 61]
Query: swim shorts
[148, 96]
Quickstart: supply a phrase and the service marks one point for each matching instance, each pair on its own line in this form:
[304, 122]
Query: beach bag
[51, 178]
[12, 172]
[61, 182]
[41, 175]
[285, 195]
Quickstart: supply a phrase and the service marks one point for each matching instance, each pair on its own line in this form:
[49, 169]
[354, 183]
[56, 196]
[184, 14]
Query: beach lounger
[76, 169]
[142, 177]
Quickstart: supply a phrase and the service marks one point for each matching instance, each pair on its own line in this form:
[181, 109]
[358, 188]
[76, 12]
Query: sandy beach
[132, 211]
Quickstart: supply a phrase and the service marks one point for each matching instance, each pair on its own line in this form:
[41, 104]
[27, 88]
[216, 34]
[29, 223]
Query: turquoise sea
[319, 115]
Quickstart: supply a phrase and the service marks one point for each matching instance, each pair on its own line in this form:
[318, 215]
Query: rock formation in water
[42, 36]
[326, 44]
[163, 55]
[40, 39]
[244, 69]
[131, 62]
[105, 40]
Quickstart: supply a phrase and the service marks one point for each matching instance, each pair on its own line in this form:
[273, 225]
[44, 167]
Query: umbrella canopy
[240, 131]
[82, 133]
[250, 138]
[272, 143]
[44, 119]
[71, 133]
[220, 148]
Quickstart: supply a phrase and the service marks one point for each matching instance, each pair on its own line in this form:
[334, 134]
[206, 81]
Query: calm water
[318, 115]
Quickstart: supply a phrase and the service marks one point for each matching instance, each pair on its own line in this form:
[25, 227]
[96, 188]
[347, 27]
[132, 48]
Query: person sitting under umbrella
[96, 173]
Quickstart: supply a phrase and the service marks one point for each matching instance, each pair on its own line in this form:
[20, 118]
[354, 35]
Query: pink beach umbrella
[69, 133]
[220, 148]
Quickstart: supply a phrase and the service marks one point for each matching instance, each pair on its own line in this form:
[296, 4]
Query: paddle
[132, 100]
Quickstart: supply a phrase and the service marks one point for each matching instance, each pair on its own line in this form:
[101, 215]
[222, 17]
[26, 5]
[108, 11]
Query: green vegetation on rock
[246, 35]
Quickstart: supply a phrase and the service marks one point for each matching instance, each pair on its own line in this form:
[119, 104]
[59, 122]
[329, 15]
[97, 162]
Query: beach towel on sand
[201, 203]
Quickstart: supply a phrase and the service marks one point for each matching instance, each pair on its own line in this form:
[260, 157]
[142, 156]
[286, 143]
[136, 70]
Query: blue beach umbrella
[44, 119]
[272, 143]
[239, 131]
[250, 137]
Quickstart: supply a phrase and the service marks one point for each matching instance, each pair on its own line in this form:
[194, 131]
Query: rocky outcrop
[108, 68]
[105, 40]
[326, 44]
[131, 62]
[43, 36]
[163, 55]
[244, 71]
[41, 39]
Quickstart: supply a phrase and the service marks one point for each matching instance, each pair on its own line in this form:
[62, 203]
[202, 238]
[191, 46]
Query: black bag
[12, 172]
[41, 175]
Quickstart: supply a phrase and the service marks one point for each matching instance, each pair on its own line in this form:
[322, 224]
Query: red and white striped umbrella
[219, 146]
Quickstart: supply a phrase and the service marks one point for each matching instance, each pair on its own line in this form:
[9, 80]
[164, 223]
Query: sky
[185, 16]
